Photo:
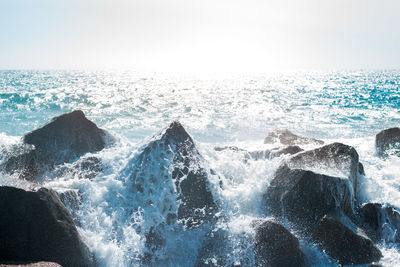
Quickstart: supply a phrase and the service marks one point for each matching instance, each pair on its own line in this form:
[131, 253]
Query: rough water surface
[347, 107]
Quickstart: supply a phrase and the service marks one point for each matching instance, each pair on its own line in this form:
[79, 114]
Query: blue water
[350, 107]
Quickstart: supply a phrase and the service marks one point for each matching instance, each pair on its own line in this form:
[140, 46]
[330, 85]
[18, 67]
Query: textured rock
[343, 244]
[388, 142]
[35, 226]
[336, 159]
[171, 166]
[304, 196]
[276, 246]
[285, 137]
[380, 222]
[64, 139]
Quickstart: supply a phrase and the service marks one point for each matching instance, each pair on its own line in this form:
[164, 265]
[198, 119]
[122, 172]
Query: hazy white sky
[202, 35]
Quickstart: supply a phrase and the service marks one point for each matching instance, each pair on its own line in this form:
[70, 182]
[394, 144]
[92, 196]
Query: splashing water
[349, 107]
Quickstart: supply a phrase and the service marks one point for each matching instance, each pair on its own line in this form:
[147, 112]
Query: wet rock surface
[276, 246]
[380, 222]
[173, 160]
[340, 240]
[388, 142]
[304, 196]
[336, 159]
[35, 226]
[286, 137]
[63, 139]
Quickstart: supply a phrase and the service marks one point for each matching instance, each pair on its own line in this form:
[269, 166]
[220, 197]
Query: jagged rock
[276, 246]
[62, 140]
[388, 142]
[336, 159]
[35, 226]
[285, 137]
[304, 196]
[380, 222]
[170, 166]
[342, 241]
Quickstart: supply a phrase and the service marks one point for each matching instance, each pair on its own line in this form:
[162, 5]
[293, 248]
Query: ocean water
[350, 107]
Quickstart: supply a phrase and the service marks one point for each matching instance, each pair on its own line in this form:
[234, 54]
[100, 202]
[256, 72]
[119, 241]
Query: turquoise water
[350, 107]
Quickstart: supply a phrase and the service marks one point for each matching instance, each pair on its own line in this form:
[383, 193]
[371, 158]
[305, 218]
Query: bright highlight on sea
[349, 107]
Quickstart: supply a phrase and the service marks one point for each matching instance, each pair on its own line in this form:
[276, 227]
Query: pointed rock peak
[176, 132]
[74, 115]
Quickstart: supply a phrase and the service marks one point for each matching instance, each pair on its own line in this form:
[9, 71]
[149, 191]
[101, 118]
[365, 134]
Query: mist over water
[350, 107]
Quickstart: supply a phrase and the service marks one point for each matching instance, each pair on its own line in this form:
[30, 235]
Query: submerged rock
[169, 177]
[340, 240]
[380, 222]
[262, 154]
[304, 196]
[388, 142]
[274, 153]
[35, 226]
[276, 246]
[62, 140]
[286, 137]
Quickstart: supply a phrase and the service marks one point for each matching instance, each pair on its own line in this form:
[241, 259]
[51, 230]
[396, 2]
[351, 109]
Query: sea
[239, 110]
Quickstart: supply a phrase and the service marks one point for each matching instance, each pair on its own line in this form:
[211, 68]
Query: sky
[200, 35]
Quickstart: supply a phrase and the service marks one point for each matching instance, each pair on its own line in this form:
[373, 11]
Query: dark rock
[336, 159]
[304, 197]
[380, 222]
[361, 168]
[213, 250]
[72, 200]
[276, 246]
[35, 226]
[285, 137]
[171, 165]
[62, 140]
[344, 243]
[388, 142]
[71, 132]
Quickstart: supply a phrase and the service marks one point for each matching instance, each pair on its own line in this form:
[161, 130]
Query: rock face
[304, 196]
[388, 142]
[64, 139]
[336, 159]
[344, 244]
[35, 226]
[276, 246]
[380, 222]
[171, 166]
[285, 137]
